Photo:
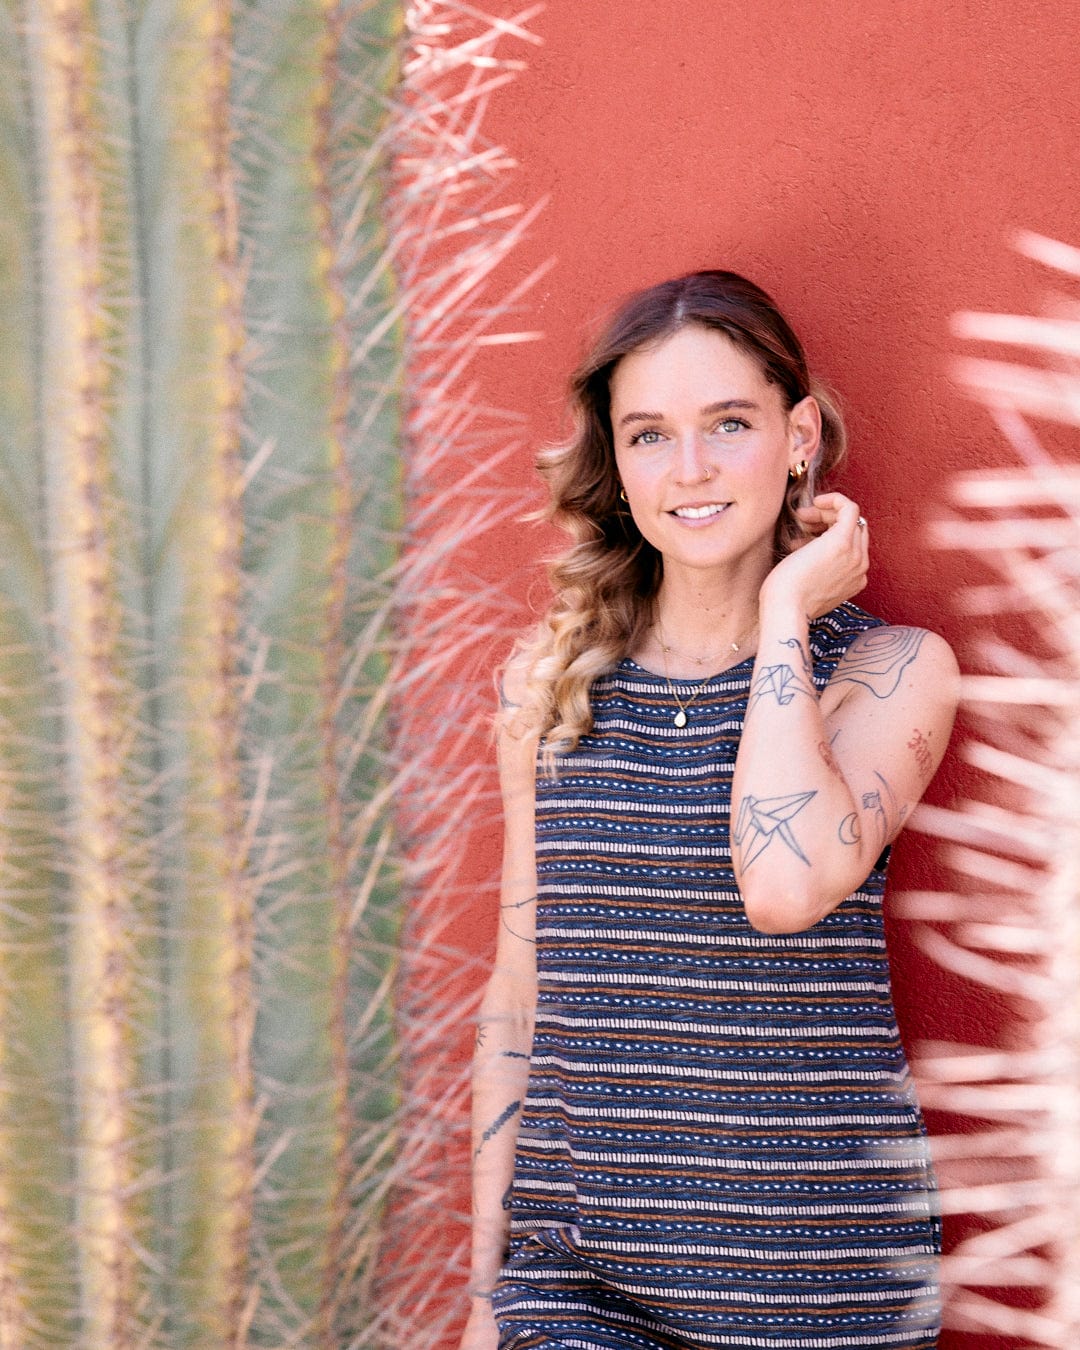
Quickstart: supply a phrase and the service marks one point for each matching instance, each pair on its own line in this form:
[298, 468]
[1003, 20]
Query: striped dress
[720, 1145]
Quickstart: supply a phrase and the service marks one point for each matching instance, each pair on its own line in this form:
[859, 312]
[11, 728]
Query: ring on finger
[861, 522]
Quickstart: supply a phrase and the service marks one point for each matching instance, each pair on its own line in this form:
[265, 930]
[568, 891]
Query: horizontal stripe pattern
[720, 1145]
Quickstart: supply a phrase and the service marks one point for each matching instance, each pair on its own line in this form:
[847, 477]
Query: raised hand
[830, 567]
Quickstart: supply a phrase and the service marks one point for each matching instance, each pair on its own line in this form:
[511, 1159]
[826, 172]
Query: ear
[804, 427]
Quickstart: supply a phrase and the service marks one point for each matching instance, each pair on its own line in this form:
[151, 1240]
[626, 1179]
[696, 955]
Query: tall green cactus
[199, 502]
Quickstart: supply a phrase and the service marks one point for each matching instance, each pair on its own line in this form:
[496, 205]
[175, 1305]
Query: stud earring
[797, 470]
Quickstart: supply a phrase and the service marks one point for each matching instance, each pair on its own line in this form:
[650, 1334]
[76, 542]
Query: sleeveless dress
[720, 1145]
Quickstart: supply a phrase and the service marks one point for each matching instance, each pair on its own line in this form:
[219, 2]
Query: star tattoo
[763, 819]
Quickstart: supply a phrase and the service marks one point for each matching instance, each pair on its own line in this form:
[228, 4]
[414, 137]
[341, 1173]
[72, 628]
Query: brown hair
[606, 581]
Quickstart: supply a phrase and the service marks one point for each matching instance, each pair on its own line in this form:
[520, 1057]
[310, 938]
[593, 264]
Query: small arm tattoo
[505, 702]
[878, 659]
[779, 682]
[825, 751]
[509, 909]
[513, 1054]
[481, 1034]
[849, 832]
[496, 1125]
[882, 802]
[919, 745]
[807, 664]
[762, 820]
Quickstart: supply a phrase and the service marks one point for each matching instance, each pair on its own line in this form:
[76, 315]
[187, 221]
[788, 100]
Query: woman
[694, 1123]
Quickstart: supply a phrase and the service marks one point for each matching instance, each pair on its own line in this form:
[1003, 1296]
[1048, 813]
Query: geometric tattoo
[780, 681]
[763, 819]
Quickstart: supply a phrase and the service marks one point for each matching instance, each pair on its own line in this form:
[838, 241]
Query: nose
[691, 461]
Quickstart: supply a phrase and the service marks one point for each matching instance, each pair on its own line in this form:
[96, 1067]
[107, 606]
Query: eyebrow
[745, 404]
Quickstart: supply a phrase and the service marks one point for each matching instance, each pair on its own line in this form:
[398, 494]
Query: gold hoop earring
[622, 494]
[797, 470]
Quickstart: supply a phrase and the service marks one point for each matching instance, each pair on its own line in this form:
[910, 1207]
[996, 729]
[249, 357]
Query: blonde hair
[605, 583]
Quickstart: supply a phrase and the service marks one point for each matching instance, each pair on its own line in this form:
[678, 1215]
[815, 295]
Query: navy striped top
[720, 1145]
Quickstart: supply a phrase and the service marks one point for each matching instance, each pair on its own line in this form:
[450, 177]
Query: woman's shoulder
[864, 648]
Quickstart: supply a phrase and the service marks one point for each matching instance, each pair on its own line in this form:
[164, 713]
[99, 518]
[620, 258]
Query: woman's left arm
[823, 784]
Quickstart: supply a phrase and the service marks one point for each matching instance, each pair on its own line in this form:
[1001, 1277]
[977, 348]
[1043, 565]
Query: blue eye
[650, 437]
[732, 424]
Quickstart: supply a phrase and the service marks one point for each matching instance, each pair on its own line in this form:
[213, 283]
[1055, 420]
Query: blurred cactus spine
[200, 499]
[88, 633]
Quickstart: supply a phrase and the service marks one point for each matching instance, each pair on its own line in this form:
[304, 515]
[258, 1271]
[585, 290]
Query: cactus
[1012, 925]
[201, 503]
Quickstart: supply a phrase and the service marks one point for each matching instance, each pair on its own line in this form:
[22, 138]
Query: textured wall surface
[867, 163]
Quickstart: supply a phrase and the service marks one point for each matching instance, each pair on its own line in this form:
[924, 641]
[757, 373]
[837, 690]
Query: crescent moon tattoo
[849, 829]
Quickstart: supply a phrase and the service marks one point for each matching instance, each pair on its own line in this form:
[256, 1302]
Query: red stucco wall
[865, 160]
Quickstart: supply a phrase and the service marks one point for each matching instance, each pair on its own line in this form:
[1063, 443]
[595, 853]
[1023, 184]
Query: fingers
[828, 509]
[832, 511]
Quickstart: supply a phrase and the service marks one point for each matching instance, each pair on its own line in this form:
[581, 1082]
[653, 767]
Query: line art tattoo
[807, 664]
[505, 702]
[849, 831]
[496, 1125]
[517, 904]
[876, 802]
[878, 659]
[763, 819]
[781, 683]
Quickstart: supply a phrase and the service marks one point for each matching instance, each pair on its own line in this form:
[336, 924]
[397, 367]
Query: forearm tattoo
[878, 659]
[762, 820]
[804, 657]
[509, 909]
[780, 683]
[496, 1125]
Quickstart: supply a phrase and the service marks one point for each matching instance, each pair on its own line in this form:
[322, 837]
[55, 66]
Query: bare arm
[505, 1027]
[823, 784]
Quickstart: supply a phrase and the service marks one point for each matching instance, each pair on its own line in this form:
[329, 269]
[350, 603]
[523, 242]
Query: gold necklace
[679, 719]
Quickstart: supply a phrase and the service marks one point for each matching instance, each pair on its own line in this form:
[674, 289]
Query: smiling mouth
[700, 512]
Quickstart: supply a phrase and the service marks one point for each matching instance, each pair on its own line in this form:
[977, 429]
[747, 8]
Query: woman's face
[703, 445]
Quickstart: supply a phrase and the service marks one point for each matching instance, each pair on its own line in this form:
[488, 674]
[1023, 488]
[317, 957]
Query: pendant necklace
[680, 719]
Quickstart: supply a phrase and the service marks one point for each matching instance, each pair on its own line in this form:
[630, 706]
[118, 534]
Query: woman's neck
[704, 621]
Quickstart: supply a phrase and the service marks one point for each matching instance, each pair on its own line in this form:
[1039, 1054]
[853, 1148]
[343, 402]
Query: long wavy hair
[606, 582]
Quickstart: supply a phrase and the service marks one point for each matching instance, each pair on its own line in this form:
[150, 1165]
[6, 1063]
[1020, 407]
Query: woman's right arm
[505, 1026]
